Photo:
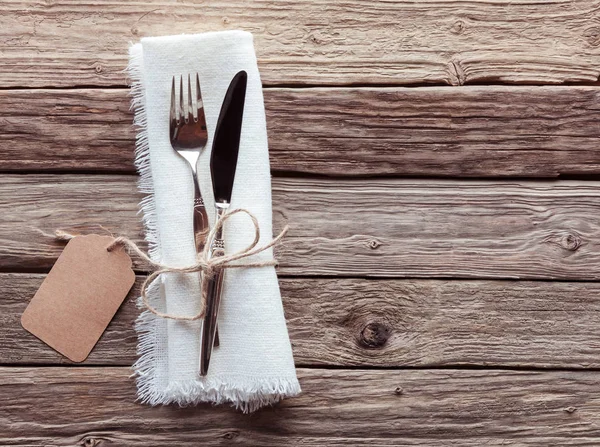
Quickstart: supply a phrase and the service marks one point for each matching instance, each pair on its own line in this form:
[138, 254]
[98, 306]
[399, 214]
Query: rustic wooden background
[439, 161]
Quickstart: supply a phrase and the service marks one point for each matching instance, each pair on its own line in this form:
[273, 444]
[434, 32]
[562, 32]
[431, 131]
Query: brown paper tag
[80, 296]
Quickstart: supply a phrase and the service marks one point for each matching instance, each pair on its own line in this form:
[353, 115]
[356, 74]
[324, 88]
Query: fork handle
[201, 227]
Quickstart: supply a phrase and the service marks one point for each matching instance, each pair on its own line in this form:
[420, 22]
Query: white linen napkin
[253, 366]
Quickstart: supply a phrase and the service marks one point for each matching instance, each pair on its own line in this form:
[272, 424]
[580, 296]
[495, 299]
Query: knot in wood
[399, 391]
[374, 244]
[98, 68]
[571, 242]
[458, 27]
[456, 72]
[88, 441]
[374, 335]
[592, 36]
[231, 435]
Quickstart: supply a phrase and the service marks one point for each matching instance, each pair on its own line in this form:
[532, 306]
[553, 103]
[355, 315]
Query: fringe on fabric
[146, 324]
[249, 396]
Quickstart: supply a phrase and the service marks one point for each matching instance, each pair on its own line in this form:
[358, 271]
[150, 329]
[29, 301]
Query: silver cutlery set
[189, 137]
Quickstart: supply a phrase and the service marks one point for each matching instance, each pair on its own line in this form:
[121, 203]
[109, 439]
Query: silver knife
[223, 163]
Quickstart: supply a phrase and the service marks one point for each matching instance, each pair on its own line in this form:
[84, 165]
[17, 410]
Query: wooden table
[439, 163]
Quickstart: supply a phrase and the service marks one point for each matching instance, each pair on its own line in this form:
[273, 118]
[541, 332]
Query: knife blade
[226, 143]
[223, 164]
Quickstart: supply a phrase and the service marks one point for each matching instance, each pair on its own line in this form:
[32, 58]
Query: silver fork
[188, 138]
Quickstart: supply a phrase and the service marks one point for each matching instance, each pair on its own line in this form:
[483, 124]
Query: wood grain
[478, 131]
[69, 42]
[95, 407]
[375, 228]
[386, 323]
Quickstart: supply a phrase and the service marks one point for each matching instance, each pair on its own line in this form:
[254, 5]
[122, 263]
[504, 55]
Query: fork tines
[182, 109]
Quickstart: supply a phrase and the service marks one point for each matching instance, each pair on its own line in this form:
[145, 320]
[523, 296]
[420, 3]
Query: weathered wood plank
[387, 323]
[95, 406]
[378, 228]
[472, 131]
[69, 42]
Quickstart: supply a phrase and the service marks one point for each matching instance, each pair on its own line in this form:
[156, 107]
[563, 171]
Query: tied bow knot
[205, 264]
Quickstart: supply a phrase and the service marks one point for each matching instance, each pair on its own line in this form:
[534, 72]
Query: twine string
[205, 264]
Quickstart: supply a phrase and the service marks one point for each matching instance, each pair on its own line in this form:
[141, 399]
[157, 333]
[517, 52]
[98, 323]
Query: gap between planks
[274, 86]
[441, 368]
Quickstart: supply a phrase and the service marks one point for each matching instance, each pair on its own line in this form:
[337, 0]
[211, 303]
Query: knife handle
[201, 227]
[213, 300]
